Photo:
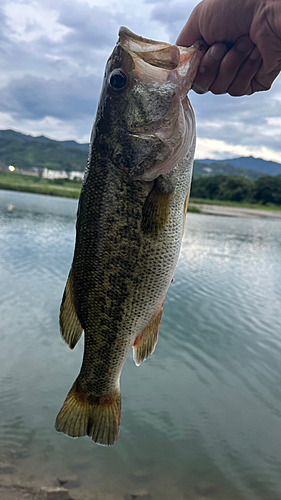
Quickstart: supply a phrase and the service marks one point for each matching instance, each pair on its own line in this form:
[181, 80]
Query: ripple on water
[204, 407]
[15, 438]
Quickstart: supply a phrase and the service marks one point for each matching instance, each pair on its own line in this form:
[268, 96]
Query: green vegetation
[50, 154]
[205, 201]
[26, 152]
[18, 136]
[264, 191]
[31, 184]
[232, 191]
[194, 209]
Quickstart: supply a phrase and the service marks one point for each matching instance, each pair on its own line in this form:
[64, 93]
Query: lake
[201, 418]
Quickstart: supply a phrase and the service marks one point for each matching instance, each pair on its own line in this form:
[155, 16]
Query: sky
[52, 59]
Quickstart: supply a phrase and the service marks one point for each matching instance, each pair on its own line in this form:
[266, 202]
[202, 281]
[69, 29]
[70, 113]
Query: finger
[208, 68]
[231, 64]
[243, 80]
[263, 80]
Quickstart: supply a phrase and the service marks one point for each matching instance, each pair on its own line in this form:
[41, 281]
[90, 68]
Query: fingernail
[244, 45]
[217, 51]
[255, 54]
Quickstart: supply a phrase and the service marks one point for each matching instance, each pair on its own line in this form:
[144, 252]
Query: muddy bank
[17, 493]
[235, 212]
[44, 493]
[13, 488]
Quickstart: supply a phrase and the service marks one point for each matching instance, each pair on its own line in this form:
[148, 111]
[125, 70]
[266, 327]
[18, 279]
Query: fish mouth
[160, 65]
[178, 64]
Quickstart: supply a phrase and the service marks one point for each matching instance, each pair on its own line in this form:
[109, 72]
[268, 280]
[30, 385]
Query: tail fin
[83, 415]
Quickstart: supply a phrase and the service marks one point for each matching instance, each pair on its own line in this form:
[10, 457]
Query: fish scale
[129, 224]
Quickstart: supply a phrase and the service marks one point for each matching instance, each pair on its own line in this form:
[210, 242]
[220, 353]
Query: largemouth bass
[130, 223]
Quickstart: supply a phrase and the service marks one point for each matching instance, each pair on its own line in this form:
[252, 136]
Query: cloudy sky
[52, 58]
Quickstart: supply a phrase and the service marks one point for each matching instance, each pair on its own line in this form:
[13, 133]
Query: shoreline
[195, 206]
[18, 493]
[19, 489]
[227, 211]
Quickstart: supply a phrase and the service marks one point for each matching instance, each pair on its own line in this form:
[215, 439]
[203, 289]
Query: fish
[130, 221]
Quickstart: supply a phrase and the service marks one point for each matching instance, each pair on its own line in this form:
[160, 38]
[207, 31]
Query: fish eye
[117, 79]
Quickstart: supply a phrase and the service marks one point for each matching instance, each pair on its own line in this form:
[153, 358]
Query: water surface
[202, 416]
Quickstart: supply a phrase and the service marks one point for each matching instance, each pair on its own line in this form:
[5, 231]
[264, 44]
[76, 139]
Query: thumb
[190, 32]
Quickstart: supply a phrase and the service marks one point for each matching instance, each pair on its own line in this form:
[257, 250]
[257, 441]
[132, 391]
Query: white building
[54, 174]
[76, 175]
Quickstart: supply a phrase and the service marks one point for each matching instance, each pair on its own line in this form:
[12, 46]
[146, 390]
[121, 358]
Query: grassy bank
[224, 203]
[38, 185]
[71, 189]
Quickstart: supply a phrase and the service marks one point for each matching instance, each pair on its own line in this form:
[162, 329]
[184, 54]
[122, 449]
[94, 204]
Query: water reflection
[201, 417]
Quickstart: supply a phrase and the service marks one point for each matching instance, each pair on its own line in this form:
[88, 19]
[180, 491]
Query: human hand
[245, 45]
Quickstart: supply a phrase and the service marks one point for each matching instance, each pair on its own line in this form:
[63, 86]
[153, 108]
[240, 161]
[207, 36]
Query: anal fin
[145, 343]
[70, 326]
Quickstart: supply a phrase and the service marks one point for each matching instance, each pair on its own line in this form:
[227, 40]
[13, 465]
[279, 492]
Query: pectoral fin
[156, 209]
[185, 210]
[145, 343]
[70, 326]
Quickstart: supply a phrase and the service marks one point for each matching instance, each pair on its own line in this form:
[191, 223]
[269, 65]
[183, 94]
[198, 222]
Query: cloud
[218, 149]
[173, 15]
[170, 12]
[87, 25]
[251, 121]
[29, 21]
[52, 59]
[73, 34]
[36, 98]
[79, 129]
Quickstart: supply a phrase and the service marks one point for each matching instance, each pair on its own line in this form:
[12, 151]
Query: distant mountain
[250, 163]
[221, 168]
[18, 136]
[26, 152]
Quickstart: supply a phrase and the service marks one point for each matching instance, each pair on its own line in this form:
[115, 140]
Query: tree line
[266, 189]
